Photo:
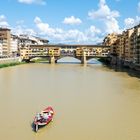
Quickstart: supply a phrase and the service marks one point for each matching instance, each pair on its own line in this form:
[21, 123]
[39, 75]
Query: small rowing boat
[43, 118]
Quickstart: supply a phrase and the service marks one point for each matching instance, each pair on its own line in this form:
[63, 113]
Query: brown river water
[90, 102]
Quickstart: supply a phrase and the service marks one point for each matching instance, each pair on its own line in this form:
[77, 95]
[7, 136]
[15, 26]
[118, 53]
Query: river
[91, 102]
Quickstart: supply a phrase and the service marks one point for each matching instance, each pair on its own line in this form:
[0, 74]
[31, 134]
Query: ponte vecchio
[56, 52]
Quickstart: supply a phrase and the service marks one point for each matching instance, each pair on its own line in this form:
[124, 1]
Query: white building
[0, 49]
[26, 40]
[14, 45]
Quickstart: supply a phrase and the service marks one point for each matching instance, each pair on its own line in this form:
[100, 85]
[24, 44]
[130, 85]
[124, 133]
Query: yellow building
[5, 37]
[54, 51]
[118, 47]
[25, 53]
[135, 41]
[112, 41]
[39, 50]
[128, 47]
[123, 46]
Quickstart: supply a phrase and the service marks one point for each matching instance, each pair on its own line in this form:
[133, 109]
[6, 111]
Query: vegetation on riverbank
[11, 64]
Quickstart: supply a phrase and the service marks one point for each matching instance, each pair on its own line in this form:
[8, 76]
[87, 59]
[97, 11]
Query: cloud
[92, 32]
[68, 36]
[72, 20]
[21, 29]
[44, 27]
[106, 16]
[41, 2]
[3, 21]
[131, 22]
[56, 33]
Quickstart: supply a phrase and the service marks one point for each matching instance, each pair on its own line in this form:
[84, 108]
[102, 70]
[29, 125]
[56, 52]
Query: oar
[36, 127]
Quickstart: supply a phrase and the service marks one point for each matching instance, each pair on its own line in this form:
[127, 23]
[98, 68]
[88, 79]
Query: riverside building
[128, 47]
[5, 37]
[14, 45]
[10, 44]
[125, 47]
[135, 41]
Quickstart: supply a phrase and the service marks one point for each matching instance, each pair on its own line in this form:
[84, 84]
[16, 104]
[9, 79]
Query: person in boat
[41, 117]
[44, 116]
[47, 115]
[38, 116]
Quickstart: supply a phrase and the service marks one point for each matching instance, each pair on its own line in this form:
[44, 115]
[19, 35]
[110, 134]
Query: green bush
[10, 64]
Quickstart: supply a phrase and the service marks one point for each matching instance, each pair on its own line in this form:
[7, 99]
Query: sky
[69, 21]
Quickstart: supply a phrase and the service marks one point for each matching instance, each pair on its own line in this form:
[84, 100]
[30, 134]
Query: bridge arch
[94, 61]
[68, 59]
[33, 58]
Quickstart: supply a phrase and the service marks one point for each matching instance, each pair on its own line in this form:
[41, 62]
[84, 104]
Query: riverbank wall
[10, 60]
[116, 62]
[7, 62]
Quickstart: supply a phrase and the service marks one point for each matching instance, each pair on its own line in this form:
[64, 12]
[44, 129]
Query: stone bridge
[56, 52]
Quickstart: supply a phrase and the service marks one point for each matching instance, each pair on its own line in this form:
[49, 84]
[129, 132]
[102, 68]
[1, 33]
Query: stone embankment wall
[9, 60]
[120, 63]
